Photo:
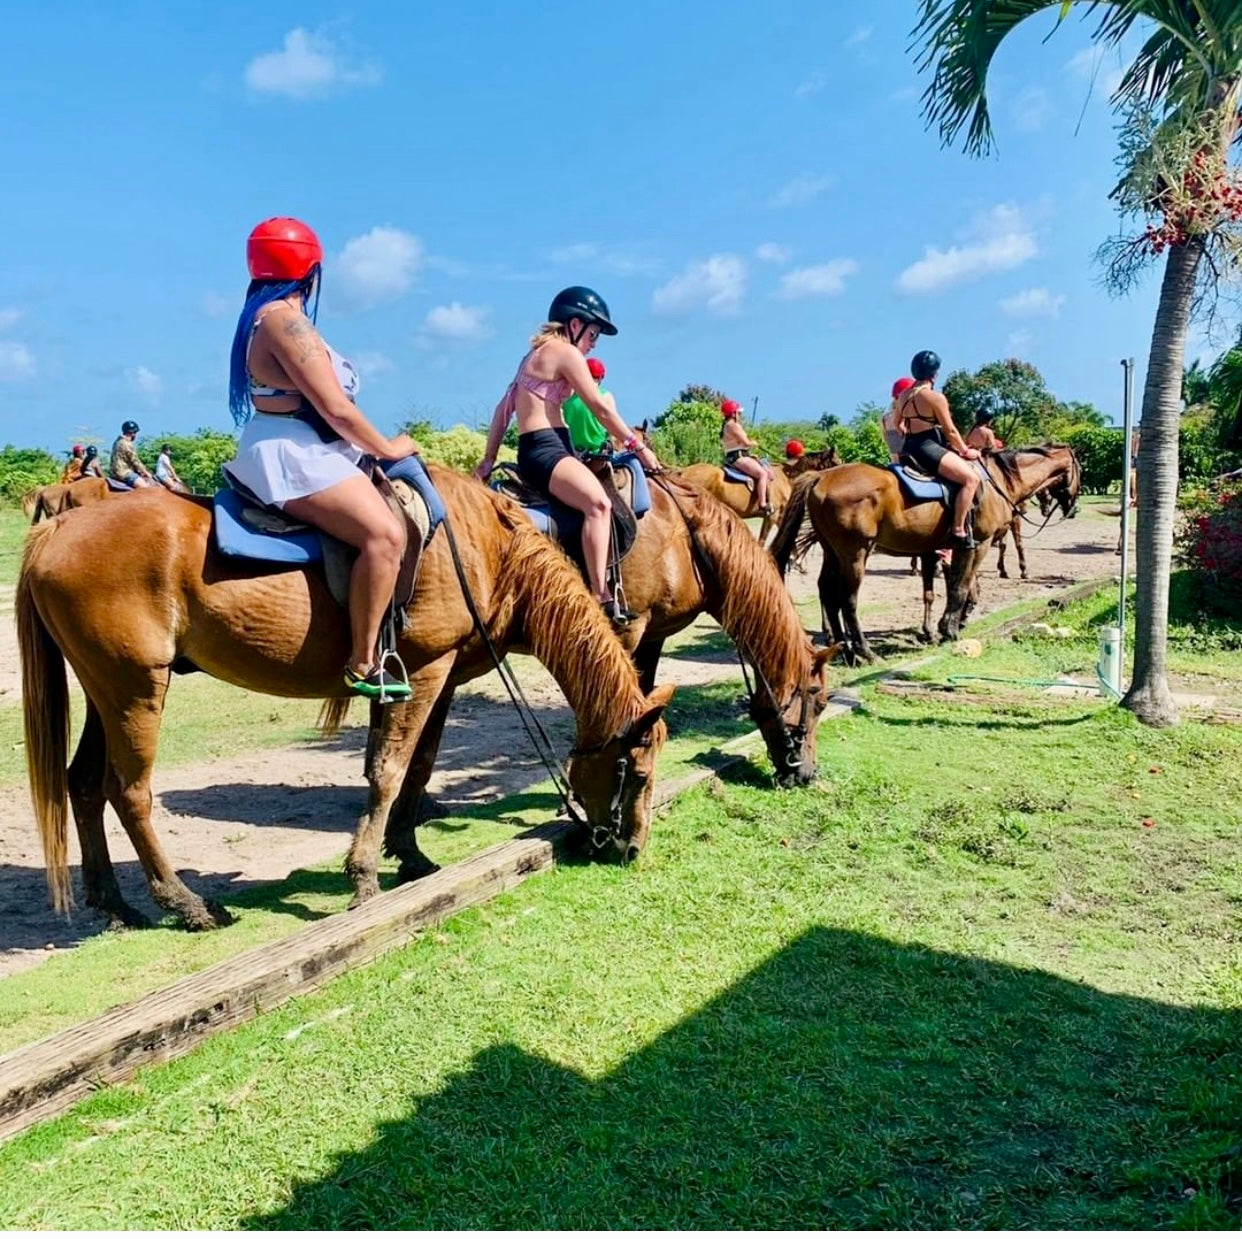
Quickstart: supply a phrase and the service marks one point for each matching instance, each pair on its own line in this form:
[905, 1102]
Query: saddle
[925, 488]
[624, 483]
[733, 474]
[112, 482]
[247, 528]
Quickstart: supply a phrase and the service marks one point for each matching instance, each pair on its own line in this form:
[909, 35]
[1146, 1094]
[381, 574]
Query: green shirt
[584, 428]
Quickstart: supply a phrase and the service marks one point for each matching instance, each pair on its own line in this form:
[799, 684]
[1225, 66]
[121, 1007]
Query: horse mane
[566, 630]
[1007, 458]
[756, 609]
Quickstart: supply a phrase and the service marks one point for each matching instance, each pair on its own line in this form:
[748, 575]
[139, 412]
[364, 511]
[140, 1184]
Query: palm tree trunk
[1149, 695]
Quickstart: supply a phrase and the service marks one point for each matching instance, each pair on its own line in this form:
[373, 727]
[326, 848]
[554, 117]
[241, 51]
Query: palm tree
[1183, 81]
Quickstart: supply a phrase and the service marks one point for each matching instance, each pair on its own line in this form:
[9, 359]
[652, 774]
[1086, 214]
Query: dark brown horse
[691, 555]
[857, 508]
[171, 604]
[811, 462]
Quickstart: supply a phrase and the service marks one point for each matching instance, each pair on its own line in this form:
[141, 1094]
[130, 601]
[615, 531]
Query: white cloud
[998, 240]
[811, 84]
[1019, 341]
[455, 324]
[616, 260]
[1088, 66]
[860, 36]
[8, 318]
[1033, 303]
[825, 280]
[799, 190]
[377, 267]
[1031, 109]
[770, 251]
[309, 66]
[215, 306]
[16, 361]
[372, 365]
[718, 284]
[148, 384]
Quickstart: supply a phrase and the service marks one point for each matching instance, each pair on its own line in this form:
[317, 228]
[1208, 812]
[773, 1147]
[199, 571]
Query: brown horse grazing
[856, 508]
[668, 584]
[172, 603]
[49, 501]
[738, 496]
[811, 462]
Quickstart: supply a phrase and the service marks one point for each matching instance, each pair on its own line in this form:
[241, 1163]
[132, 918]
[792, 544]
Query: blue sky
[749, 185]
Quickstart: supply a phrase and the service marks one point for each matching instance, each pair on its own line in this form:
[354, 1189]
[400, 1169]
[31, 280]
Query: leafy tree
[1196, 385]
[827, 421]
[1178, 103]
[700, 393]
[695, 412]
[1101, 453]
[1012, 391]
[24, 468]
[197, 457]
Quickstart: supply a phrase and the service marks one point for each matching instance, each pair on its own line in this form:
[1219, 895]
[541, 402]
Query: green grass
[13, 526]
[985, 974]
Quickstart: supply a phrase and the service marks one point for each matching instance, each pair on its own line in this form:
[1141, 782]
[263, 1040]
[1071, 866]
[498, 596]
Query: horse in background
[811, 462]
[172, 603]
[855, 509]
[739, 497]
[49, 501]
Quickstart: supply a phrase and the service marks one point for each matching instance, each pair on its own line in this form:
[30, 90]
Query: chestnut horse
[172, 603]
[668, 580]
[61, 497]
[738, 496]
[856, 508]
[811, 462]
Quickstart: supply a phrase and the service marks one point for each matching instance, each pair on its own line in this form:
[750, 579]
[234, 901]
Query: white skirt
[282, 458]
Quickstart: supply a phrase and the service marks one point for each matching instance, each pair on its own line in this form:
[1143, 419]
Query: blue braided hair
[259, 294]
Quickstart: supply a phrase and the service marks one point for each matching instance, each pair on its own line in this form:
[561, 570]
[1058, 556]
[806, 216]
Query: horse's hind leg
[389, 752]
[131, 724]
[87, 774]
[927, 564]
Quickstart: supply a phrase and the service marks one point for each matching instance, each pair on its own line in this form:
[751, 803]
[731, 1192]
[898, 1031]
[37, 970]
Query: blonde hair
[549, 331]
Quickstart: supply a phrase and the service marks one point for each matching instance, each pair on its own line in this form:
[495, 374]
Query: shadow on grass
[1030, 722]
[849, 1082]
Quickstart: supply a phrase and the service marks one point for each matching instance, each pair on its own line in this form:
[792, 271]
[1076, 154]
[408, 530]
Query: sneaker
[620, 616]
[377, 683]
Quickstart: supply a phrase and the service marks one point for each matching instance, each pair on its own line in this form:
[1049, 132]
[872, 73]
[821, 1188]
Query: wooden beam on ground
[45, 1078]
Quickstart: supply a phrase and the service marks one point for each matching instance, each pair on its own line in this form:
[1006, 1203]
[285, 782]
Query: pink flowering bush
[1209, 543]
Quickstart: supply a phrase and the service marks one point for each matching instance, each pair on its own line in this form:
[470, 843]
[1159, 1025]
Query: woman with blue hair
[303, 435]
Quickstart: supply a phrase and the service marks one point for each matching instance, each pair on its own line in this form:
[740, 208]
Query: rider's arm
[501, 417]
[940, 406]
[572, 365]
[297, 347]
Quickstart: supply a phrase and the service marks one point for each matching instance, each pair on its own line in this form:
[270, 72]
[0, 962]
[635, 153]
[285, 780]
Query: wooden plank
[45, 1078]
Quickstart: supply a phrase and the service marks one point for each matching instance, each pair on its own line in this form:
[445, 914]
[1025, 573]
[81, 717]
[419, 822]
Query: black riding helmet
[583, 303]
[90, 453]
[129, 428]
[924, 365]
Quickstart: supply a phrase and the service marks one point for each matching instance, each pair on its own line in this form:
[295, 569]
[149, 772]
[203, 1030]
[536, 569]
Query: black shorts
[925, 451]
[539, 452]
[732, 457]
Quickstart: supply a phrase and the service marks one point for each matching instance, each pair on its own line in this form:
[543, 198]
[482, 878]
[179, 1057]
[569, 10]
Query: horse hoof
[122, 917]
[412, 871]
[210, 915]
[364, 890]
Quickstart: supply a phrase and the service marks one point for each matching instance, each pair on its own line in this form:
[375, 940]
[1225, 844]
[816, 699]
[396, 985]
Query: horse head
[1065, 485]
[788, 728]
[613, 781]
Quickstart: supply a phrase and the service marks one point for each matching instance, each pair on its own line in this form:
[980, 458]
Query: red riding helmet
[596, 367]
[77, 449]
[794, 449]
[902, 385]
[282, 249]
[730, 408]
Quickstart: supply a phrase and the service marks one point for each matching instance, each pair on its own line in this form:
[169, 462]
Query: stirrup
[618, 613]
[377, 685]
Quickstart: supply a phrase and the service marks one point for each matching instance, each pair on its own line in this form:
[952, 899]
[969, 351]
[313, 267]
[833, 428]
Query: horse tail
[331, 715]
[29, 500]
[45, 715]
[784, 545]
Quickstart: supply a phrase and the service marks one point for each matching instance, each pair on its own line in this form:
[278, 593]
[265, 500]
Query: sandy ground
[233, 823]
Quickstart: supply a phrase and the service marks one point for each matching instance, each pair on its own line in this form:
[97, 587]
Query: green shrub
[1101, 455]
[459, 448]
[197, 457]
[24, 468]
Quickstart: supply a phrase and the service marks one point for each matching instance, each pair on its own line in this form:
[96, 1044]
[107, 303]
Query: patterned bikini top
[342, 367]
[553, 391]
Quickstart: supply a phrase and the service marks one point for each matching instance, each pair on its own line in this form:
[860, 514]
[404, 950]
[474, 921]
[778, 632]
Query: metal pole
[1127, 365]
[754, 412]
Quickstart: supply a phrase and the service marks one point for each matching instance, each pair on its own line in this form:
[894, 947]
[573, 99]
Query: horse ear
[826, 654]
[639, 732]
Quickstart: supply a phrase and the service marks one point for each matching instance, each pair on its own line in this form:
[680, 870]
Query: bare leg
[573, 483]
[400, 729]
[964, 474]
[753, 469]
[353, 511]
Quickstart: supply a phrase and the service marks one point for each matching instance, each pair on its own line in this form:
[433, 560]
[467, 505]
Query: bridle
[1073, 472]
[601, 836]
[793, 738]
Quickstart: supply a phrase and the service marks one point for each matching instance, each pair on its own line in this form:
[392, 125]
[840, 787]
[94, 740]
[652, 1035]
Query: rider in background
[73, 470]
[90, 464]
[300, 449]
[736, 445]
[983, 436]
[554, 368]
[893, 435]
[166, 475]
[933, 443]
[126, 465]
[585, 431]
[794, 451]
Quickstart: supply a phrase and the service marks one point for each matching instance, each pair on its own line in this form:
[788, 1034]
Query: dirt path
[255, 818]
